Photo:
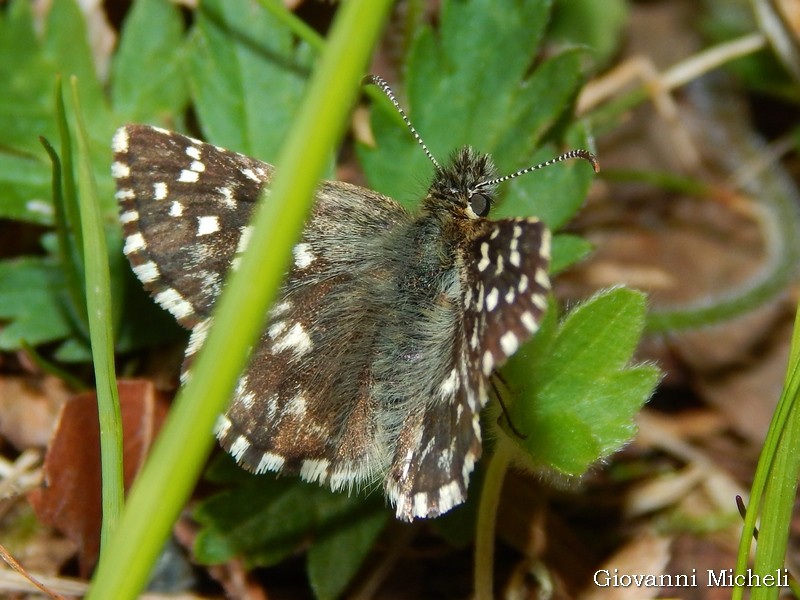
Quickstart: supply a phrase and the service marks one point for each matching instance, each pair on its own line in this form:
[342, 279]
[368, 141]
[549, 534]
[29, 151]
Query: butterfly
[377, 358]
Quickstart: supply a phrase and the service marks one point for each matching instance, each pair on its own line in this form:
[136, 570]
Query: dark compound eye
[479, 204]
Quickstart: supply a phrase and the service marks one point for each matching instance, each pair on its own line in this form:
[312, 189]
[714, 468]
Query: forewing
[184, 206]
[504, 266]
[303, 403]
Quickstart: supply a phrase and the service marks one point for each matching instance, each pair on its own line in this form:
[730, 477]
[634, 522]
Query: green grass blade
[181, 449]
[98, 308]
[774, 485]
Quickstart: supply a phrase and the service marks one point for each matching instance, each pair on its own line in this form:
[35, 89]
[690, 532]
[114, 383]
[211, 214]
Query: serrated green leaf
[470, 84]
[247, 74]
[149, 79]
[576, 394]
[31, 300]
[28, 68]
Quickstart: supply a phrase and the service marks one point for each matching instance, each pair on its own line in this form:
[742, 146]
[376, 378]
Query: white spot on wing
[159, 190]
[296, 339]
[222, 426]
[509, 343]
[314, 469]
[545, 248]
[120, 170]
[239, 447]
[193, 152]
[247, 400]
[172, 301]
[488, 363]
[207, 225]
[276, 329]
[269, 462]
[188, 176]
[449, 496]
[199, 334]
[147, 272]
[491, 299]
[541, 278]
[124, 194]
[484, 262]
[129, 216]
[529, 322]
[176, 209]
[134, 243]
[120, 141]
[449, 385]
[297, 405]
[303, 256]
[420, 504]
[280, 309]
[244, 239]
[250, 175]
[227, 196]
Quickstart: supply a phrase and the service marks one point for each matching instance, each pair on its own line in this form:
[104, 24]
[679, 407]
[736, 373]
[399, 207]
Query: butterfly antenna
[381, 83]
[584, 154]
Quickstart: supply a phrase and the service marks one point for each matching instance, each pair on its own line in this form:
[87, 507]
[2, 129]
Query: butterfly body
[374, 362]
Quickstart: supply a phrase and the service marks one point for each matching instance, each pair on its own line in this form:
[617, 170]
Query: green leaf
[148, 71]
[264, 520]
[575, 393]
[247, 74]
[28, 68]
[553, 194]
[596, 25]
[32, 299]
[338, 554]
[567, 250]
[24, 190]
[26, 82]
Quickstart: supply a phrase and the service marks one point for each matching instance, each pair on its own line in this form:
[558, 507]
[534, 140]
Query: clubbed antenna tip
[578, 153]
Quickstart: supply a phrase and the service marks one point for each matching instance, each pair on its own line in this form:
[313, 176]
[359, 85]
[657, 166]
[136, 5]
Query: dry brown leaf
[70, 497]
[29, 407]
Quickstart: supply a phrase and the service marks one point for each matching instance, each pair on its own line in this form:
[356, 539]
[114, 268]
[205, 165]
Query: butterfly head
[463, 185]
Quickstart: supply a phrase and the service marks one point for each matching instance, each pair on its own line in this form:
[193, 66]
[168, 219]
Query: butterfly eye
[479, 204]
